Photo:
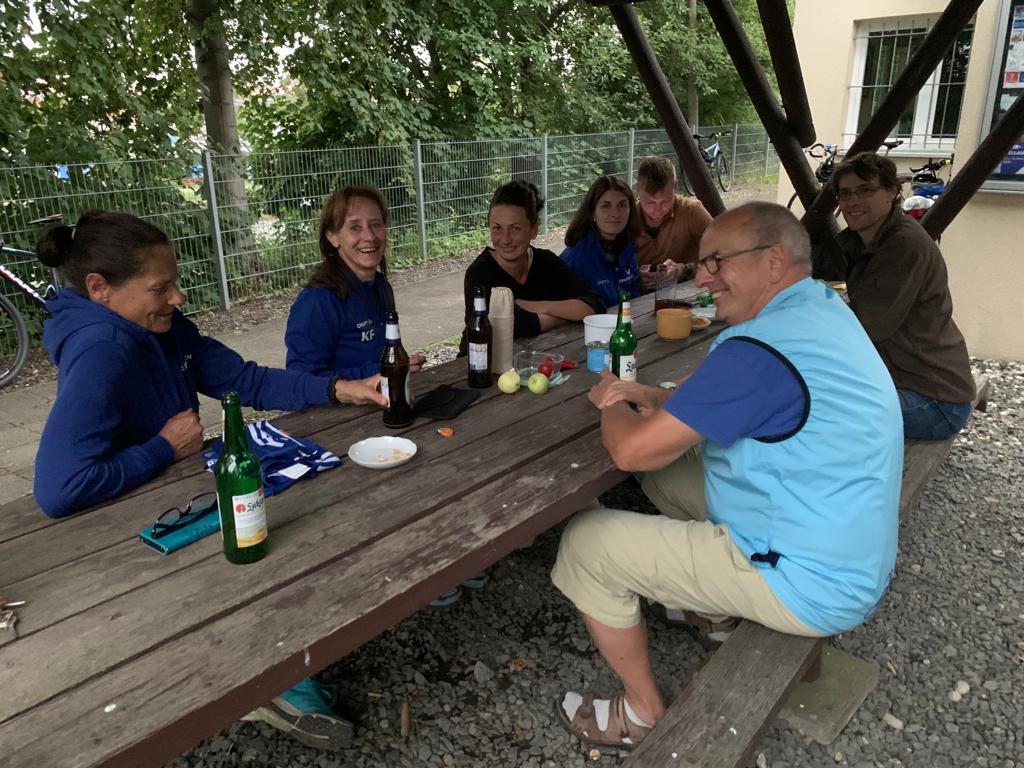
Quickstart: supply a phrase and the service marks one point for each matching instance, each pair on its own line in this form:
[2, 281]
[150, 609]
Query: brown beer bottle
[478, 337]
[240, 500]
[394, 371]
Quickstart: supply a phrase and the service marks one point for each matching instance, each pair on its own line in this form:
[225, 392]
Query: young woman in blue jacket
[601, 240]
[129, 366]
[336, 325]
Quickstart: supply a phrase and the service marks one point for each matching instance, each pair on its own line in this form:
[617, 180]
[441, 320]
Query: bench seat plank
[718, 720]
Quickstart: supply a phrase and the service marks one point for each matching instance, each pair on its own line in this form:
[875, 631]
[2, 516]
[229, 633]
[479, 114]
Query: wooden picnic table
[124, 657]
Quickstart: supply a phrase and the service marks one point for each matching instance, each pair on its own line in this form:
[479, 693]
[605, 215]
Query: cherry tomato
[547, 367]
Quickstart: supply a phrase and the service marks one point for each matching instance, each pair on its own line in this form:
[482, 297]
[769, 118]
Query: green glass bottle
[240, 499]
[622, 345]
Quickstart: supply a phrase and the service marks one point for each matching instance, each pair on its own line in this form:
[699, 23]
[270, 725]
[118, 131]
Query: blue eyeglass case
[182, 537]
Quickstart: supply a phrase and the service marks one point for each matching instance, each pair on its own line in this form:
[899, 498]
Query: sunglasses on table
[176, 518]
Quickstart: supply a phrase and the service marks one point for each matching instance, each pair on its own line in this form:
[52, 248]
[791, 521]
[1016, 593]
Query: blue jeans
[927, 419]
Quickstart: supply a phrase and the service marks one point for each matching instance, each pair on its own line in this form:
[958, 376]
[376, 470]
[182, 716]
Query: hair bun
[54, 246]
[534, 192]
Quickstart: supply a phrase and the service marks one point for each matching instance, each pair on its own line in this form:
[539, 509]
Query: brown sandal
[619, 732]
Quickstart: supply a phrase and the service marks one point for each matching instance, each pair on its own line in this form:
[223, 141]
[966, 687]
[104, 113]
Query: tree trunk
[213, 64]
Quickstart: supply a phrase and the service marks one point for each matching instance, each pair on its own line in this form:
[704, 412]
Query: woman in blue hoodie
[336, 325]
[601, 240]
[129, 365]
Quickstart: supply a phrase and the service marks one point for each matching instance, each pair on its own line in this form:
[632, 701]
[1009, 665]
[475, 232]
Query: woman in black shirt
[547, 292]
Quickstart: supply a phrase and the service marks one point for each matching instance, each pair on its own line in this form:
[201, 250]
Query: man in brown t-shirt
[899, 290]
[672, 224]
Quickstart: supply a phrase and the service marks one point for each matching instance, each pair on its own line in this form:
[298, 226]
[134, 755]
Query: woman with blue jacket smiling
[336, 325]
[129, 367]
[601, 240]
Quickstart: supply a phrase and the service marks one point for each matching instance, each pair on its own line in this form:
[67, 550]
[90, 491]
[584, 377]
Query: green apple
[538, 383]
[508, 382]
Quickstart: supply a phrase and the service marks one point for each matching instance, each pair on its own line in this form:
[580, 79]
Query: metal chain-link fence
[253, 231]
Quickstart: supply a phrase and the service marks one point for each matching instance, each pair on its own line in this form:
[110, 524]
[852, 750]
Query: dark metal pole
[671, 116]
[778, 32]
[759, 90]
[977, 168]
[904, 90]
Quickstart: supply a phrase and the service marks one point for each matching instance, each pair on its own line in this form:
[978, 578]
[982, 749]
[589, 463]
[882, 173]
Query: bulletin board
[1006, 87]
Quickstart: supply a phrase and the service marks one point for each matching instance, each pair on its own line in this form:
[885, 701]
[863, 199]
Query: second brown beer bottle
[394, 372]
[478, 338]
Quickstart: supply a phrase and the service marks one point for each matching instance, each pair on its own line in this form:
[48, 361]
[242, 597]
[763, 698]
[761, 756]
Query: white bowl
[599, 328]
[382, 452]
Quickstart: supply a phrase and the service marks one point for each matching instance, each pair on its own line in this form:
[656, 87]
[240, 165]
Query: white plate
[382, 452]
[706, 312]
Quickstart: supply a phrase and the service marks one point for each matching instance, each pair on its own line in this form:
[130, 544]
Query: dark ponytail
[110, 244]
[54, 246]
[520, 193]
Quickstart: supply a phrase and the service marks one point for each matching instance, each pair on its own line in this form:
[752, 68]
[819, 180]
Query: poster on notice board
[1009, 86]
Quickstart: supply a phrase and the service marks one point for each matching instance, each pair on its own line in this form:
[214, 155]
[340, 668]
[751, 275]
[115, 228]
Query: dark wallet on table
[444, 402]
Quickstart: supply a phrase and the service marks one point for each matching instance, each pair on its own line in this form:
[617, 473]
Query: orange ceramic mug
[674, 324]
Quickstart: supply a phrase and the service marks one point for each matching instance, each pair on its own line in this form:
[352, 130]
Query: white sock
[572, 701]
[634, 716]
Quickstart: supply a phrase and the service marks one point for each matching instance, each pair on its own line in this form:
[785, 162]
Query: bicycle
[925, 186]
[714, 158]
[926, 176]
[12, 324]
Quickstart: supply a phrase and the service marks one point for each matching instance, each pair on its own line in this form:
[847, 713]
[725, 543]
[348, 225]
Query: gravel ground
[481, 678]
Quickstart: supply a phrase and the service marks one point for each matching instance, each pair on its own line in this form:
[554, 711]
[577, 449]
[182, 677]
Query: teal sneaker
[304, 712]
[448, 599]
[478, 581]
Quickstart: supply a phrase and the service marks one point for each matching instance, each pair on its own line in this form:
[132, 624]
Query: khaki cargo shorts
[607, 558]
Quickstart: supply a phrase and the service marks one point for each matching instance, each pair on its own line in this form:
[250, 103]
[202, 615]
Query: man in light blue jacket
[776, 467]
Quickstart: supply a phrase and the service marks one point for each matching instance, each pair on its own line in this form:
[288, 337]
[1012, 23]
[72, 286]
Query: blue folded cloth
[284, 458]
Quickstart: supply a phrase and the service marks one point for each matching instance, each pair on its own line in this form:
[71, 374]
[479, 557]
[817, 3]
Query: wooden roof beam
[778, 32]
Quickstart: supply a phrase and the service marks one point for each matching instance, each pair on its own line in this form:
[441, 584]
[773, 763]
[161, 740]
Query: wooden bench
[718, 720]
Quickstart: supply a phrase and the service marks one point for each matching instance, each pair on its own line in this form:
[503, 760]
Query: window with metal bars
[882, 48]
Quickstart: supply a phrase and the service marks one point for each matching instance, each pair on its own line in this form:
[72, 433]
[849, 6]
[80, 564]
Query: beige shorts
[608, 557]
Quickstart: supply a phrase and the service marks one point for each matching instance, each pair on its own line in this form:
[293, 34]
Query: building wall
[982, 246]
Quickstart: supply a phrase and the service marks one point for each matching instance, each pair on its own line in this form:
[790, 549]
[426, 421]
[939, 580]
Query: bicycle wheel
[722, 169]
[13, 341]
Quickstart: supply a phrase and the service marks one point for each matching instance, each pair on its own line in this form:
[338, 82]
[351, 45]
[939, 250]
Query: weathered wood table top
[124, 657]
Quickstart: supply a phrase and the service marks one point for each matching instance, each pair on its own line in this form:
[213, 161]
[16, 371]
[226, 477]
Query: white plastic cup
[598, 328]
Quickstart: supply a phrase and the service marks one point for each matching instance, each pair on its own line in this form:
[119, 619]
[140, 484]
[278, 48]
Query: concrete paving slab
[820, 710]
[20, 458]
[15, 437]
[13, 487]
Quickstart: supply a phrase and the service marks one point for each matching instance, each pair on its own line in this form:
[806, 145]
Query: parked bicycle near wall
[925, 186]
[714, 158]
[14, 342]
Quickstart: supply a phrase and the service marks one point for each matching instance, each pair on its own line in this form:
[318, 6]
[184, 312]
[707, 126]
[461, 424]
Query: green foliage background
[97, 80]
